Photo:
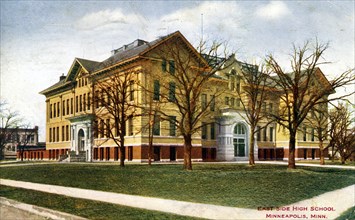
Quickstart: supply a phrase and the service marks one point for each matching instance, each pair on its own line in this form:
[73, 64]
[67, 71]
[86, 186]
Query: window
[50, 134]
[203, 101]
[264, 106]
[108, 96]
[84, 102]
[204, 131]
[172, 67]
[232, 102]
[239, 129]
[238, 85]
[67, 132]
[76, 103]
[212, 131]
[304, 134]
[232, 83]
[63, 108]
[131, 90]
[63, 133]
[163, 65]
[264, 133]
[130, 126]
[156, 95]
[213, 103]
[58, 109]
[226, 100]
[80, 103]
[172, 97]
[102, 128]
[258, 134]
[238, 103]
[57, 134]
[271, 108]
[50, 111]
[96, 129]
[312, 134]
[67, 106]
[156, 125]
[108, 128]
[53, 139]
[271, 131]
[89, 103]
[239, 147]
[71, 105]
[172, 127]
[55, 110]
[102, 98]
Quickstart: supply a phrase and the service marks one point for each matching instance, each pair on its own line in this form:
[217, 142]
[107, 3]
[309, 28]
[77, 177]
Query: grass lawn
[347, 215]
[84, 208]
[236, 185]
[328, 162]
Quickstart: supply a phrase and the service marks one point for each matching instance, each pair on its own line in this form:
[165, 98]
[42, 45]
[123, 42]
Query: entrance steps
[73, 157]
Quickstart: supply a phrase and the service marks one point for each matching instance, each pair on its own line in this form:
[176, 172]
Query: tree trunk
[332, 155]
[342, 160]
[150, 147]
[122, 156]
[291, 149]
[251, 147]
[322, 162]
[122, 150]
[187, 152]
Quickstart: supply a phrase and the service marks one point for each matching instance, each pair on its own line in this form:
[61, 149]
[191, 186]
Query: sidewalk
[328, 205]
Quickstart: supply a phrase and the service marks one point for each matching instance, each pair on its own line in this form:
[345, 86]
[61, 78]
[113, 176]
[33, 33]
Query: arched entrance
[240, 140]
[81, 140]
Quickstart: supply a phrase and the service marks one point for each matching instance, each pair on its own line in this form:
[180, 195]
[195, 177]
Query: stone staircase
[81, 157]
[73, 157]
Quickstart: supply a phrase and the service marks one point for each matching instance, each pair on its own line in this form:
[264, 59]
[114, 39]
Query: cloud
[106, 17]
[219, 18]
[272, 11]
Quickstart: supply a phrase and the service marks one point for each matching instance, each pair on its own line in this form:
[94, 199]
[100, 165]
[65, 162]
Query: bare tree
[302, 90]
[342, 135]
[188, 76]
[28, 138]
[114, 106]
[253, 95]
[9, 120]
[318, 120]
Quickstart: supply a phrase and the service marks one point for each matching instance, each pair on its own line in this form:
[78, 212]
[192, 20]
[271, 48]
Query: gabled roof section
[322, 79]
[87, 65]
[135, 50]
[144, 47]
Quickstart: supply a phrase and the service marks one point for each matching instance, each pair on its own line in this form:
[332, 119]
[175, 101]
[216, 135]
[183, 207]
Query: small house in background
[20, 140]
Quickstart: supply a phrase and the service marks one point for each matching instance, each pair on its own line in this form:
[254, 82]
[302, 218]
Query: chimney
[62, 77]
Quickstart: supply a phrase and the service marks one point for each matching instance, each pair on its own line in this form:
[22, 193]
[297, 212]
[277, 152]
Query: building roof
[126, 52]
[89, 65]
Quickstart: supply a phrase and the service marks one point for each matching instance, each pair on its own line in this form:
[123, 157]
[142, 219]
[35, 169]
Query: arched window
[239, 129]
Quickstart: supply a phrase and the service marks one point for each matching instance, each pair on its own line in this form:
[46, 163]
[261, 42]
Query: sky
[40, 39]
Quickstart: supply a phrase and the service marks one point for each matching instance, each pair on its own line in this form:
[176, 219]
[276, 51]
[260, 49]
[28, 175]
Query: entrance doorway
[239, 140]
[81, 140]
